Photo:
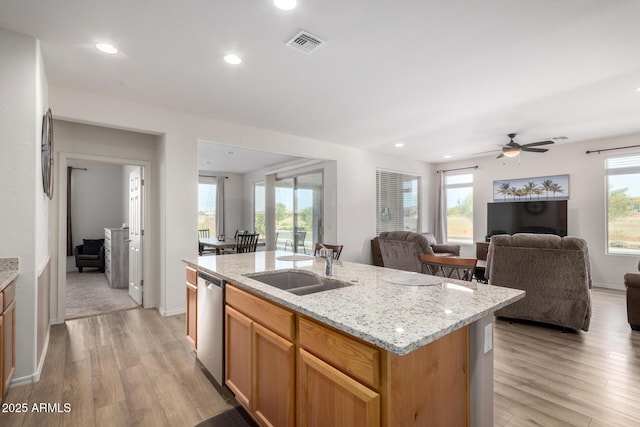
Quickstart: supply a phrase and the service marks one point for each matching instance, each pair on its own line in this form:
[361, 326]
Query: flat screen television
[531, 216]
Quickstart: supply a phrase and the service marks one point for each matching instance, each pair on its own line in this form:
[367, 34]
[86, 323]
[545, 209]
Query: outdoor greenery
[530, 190]
[460, 220]
[624, 220]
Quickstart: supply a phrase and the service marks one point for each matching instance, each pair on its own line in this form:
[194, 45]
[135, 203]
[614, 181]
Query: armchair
[441, 249]
[90, 254]
[632, 283]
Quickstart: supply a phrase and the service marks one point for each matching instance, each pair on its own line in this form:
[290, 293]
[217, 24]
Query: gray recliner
[400, 250]
[90, 254]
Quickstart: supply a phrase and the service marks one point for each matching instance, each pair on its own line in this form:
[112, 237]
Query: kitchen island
[401, 355]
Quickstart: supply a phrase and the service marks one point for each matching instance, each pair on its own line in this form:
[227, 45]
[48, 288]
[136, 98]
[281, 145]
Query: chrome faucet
[327, 254]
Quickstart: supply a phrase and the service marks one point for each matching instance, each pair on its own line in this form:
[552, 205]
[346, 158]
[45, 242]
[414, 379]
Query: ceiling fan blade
[500, 155]
[535, 144]
[535, 150]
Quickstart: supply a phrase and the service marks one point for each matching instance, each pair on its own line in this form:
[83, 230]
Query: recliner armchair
[90, 254]
[632, 283]
[426, 244]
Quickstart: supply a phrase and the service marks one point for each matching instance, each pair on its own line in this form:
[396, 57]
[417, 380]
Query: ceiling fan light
[511, 152]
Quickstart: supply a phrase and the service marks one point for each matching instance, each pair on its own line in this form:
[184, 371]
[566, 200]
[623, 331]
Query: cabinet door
[238, 355]
[8, 325]
[273, 378]
[328, 397]
[192, 314]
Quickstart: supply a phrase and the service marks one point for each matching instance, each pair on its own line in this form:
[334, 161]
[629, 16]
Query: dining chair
[201, 249]
[451, 267]
[246, 243]
[300, 237]
[337, 249]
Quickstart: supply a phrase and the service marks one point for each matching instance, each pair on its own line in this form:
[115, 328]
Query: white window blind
[397, 202]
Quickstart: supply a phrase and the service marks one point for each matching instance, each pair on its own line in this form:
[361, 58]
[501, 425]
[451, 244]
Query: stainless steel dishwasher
[210, 324]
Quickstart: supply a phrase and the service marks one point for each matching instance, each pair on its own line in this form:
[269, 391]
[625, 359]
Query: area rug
[89, 294]
[234, 417]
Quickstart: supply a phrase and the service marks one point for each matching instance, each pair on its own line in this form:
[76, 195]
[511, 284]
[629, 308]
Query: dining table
[220, 245]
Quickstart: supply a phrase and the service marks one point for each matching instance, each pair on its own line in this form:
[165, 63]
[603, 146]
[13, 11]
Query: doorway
[96, 290]
[98, 235]
[299, 206]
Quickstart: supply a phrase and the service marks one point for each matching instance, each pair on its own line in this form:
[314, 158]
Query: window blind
[397, 202]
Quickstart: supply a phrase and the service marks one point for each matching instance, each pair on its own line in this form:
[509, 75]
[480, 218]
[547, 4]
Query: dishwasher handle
[210, 281]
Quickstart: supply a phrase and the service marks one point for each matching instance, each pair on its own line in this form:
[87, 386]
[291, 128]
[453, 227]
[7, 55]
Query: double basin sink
[298, 282]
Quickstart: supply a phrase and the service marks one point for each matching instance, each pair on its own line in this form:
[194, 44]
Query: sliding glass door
[299, 212]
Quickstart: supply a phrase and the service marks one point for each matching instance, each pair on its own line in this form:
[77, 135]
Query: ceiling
[443, 77]
[224, 158]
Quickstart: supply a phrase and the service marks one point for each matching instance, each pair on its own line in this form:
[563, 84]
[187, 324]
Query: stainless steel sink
[298, 282]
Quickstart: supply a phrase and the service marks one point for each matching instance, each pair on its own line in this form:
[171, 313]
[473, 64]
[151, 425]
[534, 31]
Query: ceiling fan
[512, 149]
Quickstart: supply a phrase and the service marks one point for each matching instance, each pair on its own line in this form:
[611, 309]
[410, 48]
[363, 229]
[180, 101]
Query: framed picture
[555, 187]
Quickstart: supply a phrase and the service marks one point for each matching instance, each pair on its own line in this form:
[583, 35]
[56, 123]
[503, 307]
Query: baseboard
[35, 377]
[167, 313]
[608, 286]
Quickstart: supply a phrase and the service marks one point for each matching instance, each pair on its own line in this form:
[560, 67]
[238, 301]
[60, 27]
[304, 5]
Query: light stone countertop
[397, 318]
[9, 270]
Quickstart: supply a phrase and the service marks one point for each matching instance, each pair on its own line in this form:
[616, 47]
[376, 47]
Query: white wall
[178, 166]
[23, 205]
[586, 216]
[96, 199]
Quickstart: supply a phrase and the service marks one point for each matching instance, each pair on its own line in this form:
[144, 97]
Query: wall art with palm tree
[554, 187]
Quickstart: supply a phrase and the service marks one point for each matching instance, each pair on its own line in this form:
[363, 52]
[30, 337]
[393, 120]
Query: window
[623, 204]
[207, 204]
[259, 208]
[299, 206]
[459, 200]
[397, 202]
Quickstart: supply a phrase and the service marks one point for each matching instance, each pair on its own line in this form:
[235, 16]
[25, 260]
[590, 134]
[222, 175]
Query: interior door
[136, 185]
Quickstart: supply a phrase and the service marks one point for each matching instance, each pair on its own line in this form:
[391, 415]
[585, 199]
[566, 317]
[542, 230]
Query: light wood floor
[544, 377]
[130, 368]
[135, 368]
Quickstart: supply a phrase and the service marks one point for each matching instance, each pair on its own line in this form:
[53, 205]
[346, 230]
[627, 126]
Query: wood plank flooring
[544, 377]
[129, 368]
[135, 368]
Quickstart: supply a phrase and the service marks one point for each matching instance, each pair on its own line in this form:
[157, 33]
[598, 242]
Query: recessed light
[107, 48]
[232, 59]
[447, 156]
[285, 4]
[399, 145]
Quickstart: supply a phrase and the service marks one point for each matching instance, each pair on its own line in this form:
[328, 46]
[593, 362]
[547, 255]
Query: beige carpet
[89, 294]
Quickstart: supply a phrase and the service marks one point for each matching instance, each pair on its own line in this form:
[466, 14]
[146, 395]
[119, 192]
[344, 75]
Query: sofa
[632, 283]
[402, 249]
[554, 272]
[90, 254]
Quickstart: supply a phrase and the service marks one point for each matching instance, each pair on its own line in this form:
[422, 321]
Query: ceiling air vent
[305, 42]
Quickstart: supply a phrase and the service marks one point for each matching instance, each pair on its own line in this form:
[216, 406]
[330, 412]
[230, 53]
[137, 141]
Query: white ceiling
[224, 158]
[444, 77]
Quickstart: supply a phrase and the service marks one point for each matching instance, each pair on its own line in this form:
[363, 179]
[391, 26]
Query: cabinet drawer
[8, 295]
[192, 276]
[276, 318]
[347, 354]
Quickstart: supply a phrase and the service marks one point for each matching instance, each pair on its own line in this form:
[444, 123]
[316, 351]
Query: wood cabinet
[7, 337]
[273, 378]
[192, 306]
[116, 257]
[238, 329]
[330, 397]
[287, 369]
[260, 357]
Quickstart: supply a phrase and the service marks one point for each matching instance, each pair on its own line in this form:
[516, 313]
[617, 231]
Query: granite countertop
[9, 270]
[397, 318]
